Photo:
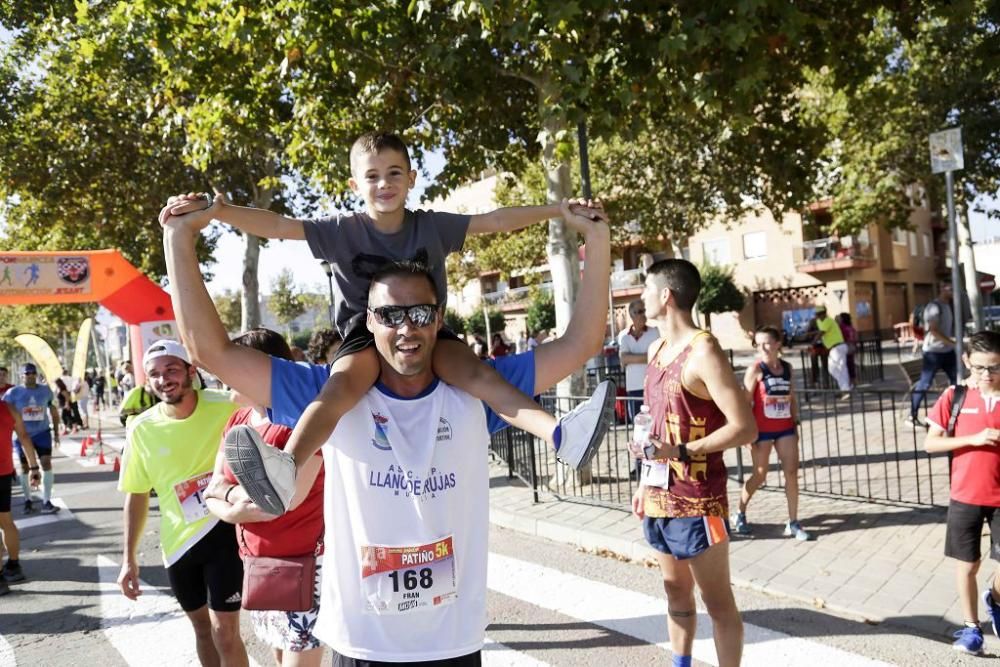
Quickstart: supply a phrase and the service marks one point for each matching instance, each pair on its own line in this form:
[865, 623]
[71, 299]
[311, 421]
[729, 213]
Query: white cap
[166, 347]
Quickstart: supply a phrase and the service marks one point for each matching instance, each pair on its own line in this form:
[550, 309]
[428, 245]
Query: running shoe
[12, 573]
[795, 529]
[969, 640]
[740, 524]
[583, 429]
[49, 508]
[994, 610]
[266, 473]
[914, 423]
[29, 507]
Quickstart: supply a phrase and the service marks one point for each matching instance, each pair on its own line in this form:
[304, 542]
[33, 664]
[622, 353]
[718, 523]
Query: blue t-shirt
[33, 404]
[294, 385]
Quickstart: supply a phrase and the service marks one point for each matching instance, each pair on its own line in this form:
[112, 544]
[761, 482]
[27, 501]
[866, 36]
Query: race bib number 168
[408, 579]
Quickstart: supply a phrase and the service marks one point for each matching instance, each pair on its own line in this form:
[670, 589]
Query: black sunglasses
[421, 314]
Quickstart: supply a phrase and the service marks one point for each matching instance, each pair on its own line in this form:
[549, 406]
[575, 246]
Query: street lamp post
[328, 270]
[947, 157]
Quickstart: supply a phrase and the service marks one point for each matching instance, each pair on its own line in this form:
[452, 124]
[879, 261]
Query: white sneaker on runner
[583, 429]
[266, 473]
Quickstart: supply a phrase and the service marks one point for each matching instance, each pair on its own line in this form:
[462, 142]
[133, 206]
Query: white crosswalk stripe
[496, 654]
[31, 520]
[134, 627]
[6, 654]
[643, 616]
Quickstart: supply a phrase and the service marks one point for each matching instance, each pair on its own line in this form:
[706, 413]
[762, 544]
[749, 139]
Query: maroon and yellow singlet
[673, 488]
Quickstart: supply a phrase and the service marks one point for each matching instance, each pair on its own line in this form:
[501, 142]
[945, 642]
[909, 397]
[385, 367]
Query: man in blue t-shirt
[400, 320]
[36, 404]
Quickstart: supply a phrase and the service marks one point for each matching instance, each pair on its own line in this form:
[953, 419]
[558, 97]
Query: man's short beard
[185, 386]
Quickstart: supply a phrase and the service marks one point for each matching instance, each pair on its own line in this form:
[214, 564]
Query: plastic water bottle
[642, 425]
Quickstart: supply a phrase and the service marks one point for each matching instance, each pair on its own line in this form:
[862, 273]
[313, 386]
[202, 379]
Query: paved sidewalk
[874, 562]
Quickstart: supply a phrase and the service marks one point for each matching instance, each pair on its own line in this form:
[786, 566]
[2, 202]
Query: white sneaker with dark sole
[583, 429]
[266, 473]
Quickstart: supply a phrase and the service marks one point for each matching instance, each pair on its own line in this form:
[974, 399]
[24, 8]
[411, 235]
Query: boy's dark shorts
[358, 337]
[964, 531]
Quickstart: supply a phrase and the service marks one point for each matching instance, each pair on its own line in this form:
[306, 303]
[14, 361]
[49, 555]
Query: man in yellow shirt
[833, 341]
[171, 448]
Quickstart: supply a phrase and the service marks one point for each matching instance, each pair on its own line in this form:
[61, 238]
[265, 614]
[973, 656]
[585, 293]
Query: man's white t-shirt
[635, 374]
[406, 504]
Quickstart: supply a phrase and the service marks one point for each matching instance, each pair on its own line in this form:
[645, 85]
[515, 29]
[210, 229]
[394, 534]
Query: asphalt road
[549, 604]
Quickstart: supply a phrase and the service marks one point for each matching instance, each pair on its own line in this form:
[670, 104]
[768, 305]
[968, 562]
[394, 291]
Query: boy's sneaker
[49, 508]
[583, 429]
[914, 422]
[969, 640]
[266, 473]
[795, 529]
[994, 610]
[12, 573]
[740, 525]
[29, 507]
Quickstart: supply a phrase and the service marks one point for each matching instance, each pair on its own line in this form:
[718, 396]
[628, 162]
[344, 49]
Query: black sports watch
[682, 453]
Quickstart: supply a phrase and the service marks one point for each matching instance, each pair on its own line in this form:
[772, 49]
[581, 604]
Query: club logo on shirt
[381, 439]
[444, 430]
[401, 482]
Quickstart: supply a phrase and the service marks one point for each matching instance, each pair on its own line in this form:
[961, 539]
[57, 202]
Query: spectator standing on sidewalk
[633, 352]
[938, 350]
[850, 335]
[4, 380]
[829, 332]
[965, 422]
[769, 382]
[81, 392]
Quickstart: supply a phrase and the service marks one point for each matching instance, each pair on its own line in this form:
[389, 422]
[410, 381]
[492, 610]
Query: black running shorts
[6, 484]
[470, 660]
[210, 572]
[964, 531]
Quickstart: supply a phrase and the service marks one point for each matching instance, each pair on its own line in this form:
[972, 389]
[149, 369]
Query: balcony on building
[834, 253]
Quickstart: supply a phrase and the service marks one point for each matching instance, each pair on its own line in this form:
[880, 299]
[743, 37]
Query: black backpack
[917, 316]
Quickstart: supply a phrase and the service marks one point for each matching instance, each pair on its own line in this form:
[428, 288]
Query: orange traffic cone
[83, 447]
[118, 465]
[100, 456]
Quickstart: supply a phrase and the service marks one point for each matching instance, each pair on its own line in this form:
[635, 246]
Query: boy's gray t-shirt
[356, 250]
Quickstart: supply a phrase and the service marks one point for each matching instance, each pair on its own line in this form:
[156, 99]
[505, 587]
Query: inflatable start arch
[93, 276]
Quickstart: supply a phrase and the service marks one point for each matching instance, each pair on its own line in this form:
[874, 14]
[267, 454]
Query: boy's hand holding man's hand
[583, 215]
[194, 209]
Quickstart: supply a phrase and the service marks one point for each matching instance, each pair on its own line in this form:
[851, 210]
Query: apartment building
[789, 267]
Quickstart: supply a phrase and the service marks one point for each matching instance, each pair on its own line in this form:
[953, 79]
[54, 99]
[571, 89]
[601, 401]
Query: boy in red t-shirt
[975, 480]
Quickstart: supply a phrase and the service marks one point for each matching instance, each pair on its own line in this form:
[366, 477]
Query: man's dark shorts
[6, 484]
[470, 660]
[42, 442]
[965, 530]
[210, 572]
[358, 337]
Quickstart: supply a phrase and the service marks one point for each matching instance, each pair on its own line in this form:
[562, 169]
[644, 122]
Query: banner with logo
[48, 274]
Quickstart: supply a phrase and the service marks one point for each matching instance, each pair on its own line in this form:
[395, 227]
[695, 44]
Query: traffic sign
[946, 151]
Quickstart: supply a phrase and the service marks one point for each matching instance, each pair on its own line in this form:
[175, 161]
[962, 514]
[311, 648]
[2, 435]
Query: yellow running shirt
[176, 457]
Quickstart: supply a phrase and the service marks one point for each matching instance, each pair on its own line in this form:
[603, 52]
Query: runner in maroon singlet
[699, 410]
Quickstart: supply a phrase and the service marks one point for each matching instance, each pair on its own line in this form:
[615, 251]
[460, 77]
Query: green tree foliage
[227, 303]
[939, 69]
[454, 321]
[286, 302]
[541, 312]
[476, 323]
[719, 293]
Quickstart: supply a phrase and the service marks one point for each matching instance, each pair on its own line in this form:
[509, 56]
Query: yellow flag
[43, 355]
[80, 353]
